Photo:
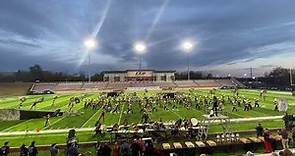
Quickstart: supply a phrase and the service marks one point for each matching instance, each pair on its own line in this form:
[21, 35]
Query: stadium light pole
[187, 47]
[90, 45]
[140, 49]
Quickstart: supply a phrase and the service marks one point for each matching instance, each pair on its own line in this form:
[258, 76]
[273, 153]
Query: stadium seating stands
[64, 86]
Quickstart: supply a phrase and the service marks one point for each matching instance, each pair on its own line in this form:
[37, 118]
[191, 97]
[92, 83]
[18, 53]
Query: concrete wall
[9, 114]
[14, 114]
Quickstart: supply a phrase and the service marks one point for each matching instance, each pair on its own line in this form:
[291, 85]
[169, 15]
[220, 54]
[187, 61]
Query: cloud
[229, 33]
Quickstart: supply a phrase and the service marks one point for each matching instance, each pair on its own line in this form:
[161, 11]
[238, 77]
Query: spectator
[125, 149]
[259, 130]
[135, 148]
[149, 148]
[267, 141]
[103, 150]
[4, 149]
[33, 149]
[53, 150]
[23, 150]
[142, 146]
[116, 150]
[285, 137]
[73, 150]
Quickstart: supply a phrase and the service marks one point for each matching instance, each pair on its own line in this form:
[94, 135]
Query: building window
[163, 78]
[106, 78]
[117, 78]
[172, 78]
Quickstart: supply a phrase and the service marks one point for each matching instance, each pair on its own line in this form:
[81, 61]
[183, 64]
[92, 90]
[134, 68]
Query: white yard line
[256, 118]
[121, 113]
[44, 131]
[9, 128]
[51, 124]
[98, 111]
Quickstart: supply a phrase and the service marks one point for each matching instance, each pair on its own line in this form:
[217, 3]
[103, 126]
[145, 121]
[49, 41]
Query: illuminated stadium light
[139, 48]
[90, 43]
[187, 46]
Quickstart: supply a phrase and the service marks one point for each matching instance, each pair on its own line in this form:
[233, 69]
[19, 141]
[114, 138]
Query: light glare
[90, 43]
[140, 48]
[187, 46]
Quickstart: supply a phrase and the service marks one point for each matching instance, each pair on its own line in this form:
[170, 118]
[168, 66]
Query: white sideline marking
[238, 120]
[93, 128]
[45, 131]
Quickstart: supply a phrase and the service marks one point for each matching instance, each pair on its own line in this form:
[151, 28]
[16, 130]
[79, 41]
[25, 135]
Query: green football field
[86, 118]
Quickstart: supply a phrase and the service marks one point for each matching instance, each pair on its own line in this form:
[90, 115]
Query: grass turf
[88, 117]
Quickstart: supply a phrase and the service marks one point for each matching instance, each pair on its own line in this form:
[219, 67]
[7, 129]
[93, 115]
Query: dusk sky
[229, 35]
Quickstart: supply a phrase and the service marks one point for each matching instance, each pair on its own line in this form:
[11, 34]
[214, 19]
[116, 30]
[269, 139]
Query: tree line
[36, 73]
[278, 77]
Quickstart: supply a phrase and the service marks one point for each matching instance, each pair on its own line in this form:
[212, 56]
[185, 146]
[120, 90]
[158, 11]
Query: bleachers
[44, 86]
[69, 86]
[95, 85]
[63, 86]
[164, 84]
[225, 82]
[117, 85]
[142, 84]
[186, 84]
[207, 83]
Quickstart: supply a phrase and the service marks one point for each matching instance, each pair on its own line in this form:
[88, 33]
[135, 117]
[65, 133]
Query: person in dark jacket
[135, 149]
[53, 150]
[33, 151]
[125, 149]
[23, 150]
[4, 149]
[73, 150]
[103, 150]
[259, 130]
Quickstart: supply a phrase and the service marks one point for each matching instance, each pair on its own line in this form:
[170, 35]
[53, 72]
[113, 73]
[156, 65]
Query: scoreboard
[144, 73]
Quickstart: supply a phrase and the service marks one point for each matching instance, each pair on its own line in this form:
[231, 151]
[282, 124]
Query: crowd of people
[270, 142]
